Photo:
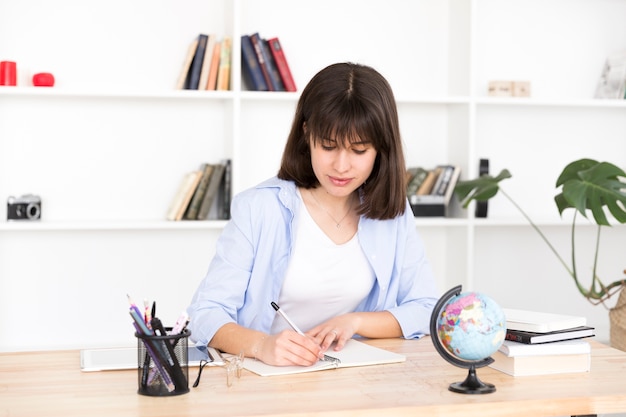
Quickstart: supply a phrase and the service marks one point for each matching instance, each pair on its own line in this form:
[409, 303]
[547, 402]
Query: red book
[281, 63]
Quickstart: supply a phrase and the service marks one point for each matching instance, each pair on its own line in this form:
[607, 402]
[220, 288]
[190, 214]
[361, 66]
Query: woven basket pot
[617, 316]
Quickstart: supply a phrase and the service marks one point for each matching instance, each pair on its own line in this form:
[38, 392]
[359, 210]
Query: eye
[328, 145]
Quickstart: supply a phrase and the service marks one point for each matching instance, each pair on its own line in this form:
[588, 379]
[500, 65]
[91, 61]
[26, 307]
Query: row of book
[207, 64]
[538, 343]
[430, 190]
[264, 65]
[203, 194]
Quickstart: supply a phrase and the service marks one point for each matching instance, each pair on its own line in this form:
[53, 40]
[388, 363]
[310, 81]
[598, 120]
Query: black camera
[26, 207]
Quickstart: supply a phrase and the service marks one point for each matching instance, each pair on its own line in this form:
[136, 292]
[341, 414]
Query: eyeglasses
[233, 366]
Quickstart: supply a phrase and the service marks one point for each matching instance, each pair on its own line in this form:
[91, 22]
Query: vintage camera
[26, 207]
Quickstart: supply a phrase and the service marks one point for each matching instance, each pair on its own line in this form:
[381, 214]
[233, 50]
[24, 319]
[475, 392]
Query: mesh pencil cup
[163, 364]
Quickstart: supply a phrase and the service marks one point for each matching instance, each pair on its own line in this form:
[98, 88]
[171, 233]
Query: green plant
[587, 185]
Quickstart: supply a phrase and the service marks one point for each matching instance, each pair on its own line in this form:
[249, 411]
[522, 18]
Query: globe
[466, 329]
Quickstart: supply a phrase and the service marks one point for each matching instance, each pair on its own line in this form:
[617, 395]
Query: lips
[340, 182]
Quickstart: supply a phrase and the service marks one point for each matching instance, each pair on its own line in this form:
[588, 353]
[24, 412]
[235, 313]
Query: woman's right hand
[289, 348]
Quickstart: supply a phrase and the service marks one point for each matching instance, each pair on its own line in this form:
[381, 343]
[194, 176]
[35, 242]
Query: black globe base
[472, 385]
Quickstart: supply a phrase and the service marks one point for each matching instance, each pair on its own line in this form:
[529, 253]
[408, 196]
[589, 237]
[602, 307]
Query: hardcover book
[183, 195]
[206, 64]
[276, 50]
[215, 65]
[198, 195]
[541, 364]
[536, 321]
[257, 43]
[223, 73]
[211, 192]
[519, 359]
[521, 336]
[564, 347]
[184, 72]
[253, 76]
[193, 80]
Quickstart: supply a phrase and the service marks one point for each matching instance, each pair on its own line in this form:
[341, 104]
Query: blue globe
[471, 326]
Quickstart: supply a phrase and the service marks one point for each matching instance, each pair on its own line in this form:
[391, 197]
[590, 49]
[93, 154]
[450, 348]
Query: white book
[541, 364]
[564, 347]
[536, 321]
[354, 353]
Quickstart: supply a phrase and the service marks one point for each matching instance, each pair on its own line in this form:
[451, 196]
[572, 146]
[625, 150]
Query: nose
[342, 160]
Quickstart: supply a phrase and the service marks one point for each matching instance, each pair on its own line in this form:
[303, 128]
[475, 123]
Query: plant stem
[545, 239]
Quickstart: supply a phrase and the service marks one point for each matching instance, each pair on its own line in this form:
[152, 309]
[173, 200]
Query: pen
[287, 319]
[327, 358]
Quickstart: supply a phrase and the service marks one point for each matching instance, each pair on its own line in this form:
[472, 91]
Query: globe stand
[472, 384]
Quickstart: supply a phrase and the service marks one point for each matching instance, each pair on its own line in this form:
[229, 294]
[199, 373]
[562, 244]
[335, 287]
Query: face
[342, 169]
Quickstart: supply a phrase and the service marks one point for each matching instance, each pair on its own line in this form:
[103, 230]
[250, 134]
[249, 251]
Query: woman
[331, 240]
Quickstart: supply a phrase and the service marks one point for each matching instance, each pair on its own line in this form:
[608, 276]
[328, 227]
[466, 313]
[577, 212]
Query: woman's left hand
[336, 330]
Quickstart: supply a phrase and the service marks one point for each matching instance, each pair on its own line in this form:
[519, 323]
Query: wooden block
[521, 88]
[500, 88]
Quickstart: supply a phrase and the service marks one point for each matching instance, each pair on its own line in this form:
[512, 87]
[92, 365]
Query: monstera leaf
[592, 185]
[587, 185]
[481, 188]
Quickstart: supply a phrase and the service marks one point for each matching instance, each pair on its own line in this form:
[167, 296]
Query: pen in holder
[163, 364]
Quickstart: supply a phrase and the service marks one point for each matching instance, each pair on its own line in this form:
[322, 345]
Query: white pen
[327, 358]
[287, 319]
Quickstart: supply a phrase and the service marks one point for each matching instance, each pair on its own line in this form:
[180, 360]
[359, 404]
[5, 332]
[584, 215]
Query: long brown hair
[356, 103]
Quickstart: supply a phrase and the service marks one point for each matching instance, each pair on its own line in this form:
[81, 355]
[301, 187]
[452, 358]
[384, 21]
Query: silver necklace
[337, 223]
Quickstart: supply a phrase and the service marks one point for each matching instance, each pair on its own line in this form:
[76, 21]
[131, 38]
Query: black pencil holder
[163, 370]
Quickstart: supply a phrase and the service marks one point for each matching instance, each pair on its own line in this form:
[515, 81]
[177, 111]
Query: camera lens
[33, 211]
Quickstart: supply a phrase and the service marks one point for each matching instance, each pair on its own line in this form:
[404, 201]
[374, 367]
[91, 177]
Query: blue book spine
[196, 65]
[250, 63]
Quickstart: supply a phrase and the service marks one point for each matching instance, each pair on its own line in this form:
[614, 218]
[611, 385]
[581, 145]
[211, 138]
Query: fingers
[291, 348]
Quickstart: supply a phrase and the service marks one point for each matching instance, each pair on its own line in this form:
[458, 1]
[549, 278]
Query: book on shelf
[434, 194]
[521, 336]
[282, 66]
[257, 43]
[194, 205]
[193, 78]
[214, 68]
[354, 353]
[225, 191]
[429, 182]
[183, 195]
[223, 72]
[252, 74]
[206, 62]
[209, 198]
[275, 77]
[542, 322]
[520, 359]
[182, 77]
[417, 175]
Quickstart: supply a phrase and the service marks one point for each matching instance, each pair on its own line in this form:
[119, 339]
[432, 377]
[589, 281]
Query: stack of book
[207, 64]
[203, 194]
[264, 65]
[538, 343]
[430, 190]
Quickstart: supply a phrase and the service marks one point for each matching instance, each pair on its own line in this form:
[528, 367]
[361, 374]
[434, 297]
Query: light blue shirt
[253, 251]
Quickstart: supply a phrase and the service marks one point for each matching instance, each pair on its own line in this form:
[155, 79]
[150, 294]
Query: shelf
[43, 226]
[56, 92]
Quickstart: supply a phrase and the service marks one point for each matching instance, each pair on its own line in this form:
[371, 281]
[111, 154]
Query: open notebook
[354, 353]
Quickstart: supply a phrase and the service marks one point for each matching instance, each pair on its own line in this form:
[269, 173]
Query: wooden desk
[51, 384]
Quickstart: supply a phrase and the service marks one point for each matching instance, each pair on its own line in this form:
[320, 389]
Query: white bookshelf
[107, 146]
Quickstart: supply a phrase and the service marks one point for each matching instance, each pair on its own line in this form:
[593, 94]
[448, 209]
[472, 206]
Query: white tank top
[323, 279]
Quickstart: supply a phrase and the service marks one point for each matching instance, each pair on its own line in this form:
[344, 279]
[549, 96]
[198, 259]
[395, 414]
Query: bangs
[346, 125]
